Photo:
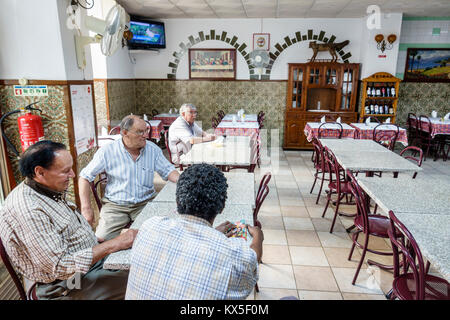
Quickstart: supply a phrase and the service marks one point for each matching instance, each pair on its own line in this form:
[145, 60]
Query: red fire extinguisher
[30, 127]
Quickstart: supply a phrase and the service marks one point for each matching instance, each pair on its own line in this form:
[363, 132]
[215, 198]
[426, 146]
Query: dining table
[247, 117]
[365, 131]
[438, 126]
[241, 189]
[234, 213]
[166, 118]
[237, 128]
[329, 130]
[228, 151]
[422, 205]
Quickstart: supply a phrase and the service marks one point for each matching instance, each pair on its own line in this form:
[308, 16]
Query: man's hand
[227, 228]
[125, 239]
[88, 214]
[258, 238]
[213, 137]
[255, 232]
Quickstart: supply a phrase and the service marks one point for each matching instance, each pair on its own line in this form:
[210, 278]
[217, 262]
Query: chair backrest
[94, 188]
[371, 118]
[386, 134]
[262, 193]
[220, 114]
[412, 257]
[166, 141]
[319, 160]
[412, 122]
[331, 131]
[155, 112]
[214, 122]
[425, 124]
[12, 272]
[333, 168]
[413, 150]
[149, 128]
[115, 130]
[362, 203]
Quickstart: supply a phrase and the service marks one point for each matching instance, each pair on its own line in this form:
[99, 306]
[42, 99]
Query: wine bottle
[376, 108]
[372, 109]
[369, 91]
[388, 91]
[367, 108]
[378, 92]
[386, 108]
[383, 91]
[374, 93]
[393, 91]
[391, 109]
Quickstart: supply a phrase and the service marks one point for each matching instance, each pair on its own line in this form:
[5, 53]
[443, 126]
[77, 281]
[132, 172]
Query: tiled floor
[300, 257]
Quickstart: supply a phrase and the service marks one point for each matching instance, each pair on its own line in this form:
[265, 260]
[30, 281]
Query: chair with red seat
[328, 130]
[413, 128]
[319, 165]
[31, 295]
[371, 225]
[386, 134]
[418, 284]
[337, 185]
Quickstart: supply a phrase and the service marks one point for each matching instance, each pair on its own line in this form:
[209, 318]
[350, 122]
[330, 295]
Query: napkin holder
[447, 116]
[434, 114]
[338, 120]
[368, 121]
[322, 120]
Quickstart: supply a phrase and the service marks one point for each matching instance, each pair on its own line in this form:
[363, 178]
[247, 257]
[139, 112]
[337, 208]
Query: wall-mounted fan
[109, 33]
[259, 59]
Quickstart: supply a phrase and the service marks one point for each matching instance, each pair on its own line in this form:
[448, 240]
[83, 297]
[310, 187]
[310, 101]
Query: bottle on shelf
[393, 91]
[367, 108]
[376, 108]
[374, 93]
[372, 109]
[369, 91]
[378, 92]
[386, 108]
[383, 91]
[388, 91]
[391, 109]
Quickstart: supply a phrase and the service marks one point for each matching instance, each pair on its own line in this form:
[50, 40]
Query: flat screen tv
[147, 34]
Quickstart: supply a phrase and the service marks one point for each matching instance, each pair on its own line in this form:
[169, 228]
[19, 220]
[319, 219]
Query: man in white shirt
[129, 164]
[184, 132]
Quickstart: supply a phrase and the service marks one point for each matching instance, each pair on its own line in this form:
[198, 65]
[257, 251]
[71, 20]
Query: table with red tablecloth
[328, 130]
[237, 128]
[365, 131]
[438, 126]
[166, 118]
[247, 117]
[157, 128]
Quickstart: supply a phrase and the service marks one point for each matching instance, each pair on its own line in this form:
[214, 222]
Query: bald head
[128, 122]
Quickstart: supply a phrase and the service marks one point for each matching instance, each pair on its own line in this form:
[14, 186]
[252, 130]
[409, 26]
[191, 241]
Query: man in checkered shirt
[48, 241]
[185, 257]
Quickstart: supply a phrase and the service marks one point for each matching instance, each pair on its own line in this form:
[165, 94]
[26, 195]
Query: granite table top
[359, 160]
[425, 194]
[431, 232]
[241, 189]
[233, 213]
[346, 145]
[247, 118]
[234, 150]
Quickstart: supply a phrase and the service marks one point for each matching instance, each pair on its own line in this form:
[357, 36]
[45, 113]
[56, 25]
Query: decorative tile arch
[173, 65]
[279, 48]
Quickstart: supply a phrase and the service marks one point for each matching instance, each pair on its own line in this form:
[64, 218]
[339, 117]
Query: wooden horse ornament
[330, 47]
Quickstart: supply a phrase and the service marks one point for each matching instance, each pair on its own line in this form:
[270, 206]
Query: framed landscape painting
[427, 65]
[212, 64]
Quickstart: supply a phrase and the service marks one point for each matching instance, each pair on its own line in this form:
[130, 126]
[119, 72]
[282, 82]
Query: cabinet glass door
[347, 89]
[331, 76]
[297, 87]
[314, 75]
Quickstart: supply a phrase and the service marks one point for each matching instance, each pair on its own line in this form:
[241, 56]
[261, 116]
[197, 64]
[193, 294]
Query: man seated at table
[129, 164]
[184, 257]
[48, 241]
[184, 132]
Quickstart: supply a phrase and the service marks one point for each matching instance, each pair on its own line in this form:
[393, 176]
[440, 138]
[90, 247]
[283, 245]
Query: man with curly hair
[185, 257]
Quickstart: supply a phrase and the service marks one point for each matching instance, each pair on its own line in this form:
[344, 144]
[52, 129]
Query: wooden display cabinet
[314, 90]
[383, 92]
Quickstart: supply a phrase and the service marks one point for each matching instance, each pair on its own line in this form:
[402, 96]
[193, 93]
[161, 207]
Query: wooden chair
[115, 130]
[386, 138]
[417, 284]
[101, 181]
[413, 128]
[424, 140]
[371, 225]
[31, 295]
[155, 112]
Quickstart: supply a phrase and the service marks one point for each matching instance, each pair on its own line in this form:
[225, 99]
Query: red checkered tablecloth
[364, 131]
[237, 129]
[166, 118]
[327, 131]
[157, 127]
[437, 126]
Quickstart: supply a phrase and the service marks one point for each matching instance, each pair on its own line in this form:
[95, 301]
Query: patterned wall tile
[100, 92]
[122, 98]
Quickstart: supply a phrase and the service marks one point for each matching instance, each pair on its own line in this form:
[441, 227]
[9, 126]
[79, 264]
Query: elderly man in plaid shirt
[48, 241]
[185, 257]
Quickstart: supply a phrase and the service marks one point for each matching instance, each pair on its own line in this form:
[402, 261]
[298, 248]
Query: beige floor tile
[292, 223]
[274, 294]
[324, 224]
[376, 243]
[362, 296]
[276, 276]
[304, 238]
[276, 254]
[294, 211]
[316, 212]
[308, 256]
[269, 210]
[289, 193]
[319, 295]
[291, 201]
[337, 257]
[269, 222]
[385, 279]
[365, 283]
[274, 236]
[386, 260]
[315, 278]
[335, 239]
[311, 202]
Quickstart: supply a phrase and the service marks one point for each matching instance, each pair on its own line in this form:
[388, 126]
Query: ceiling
[242, 9]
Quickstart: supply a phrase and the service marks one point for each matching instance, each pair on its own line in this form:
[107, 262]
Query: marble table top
[233, 213]
[241, 189]
[247, 118]
[238, 124]
[431, 232]
[234, 150]
[425, 194]
[359, 160]
[346, 145]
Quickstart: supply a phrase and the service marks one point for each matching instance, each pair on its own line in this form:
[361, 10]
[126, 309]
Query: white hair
[185, 106]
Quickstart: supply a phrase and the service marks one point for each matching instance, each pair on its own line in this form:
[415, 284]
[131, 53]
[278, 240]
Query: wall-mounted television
[147, 34]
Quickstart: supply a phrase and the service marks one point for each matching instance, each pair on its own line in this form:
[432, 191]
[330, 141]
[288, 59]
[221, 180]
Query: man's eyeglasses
[140, 132]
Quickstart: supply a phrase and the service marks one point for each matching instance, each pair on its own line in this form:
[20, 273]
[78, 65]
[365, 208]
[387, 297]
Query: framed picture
[427, 65]
[261, 41]
[212, 64]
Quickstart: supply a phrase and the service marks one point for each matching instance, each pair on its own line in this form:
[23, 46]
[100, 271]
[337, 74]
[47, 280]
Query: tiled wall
[101, 102]
[121, 99]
